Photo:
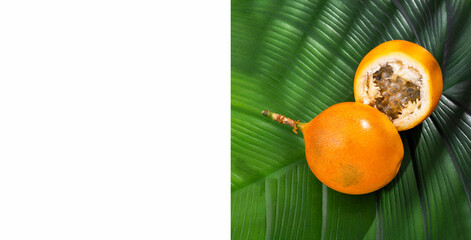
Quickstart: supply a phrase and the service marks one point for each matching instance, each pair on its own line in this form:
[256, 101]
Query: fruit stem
[284, 120]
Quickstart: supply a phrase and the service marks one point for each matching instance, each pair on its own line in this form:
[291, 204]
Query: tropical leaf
[298, 57]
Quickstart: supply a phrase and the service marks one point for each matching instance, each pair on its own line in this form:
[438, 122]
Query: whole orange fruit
[353, 148]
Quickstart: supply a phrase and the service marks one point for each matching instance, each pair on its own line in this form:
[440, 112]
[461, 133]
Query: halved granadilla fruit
[402, 80]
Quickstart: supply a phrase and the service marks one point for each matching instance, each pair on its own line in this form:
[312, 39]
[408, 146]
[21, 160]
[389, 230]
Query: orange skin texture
[415, 52]
[353, 148]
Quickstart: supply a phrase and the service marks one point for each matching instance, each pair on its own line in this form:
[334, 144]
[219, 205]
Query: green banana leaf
[298, 57]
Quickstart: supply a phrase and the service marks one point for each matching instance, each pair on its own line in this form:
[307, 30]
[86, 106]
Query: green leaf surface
[298, 57]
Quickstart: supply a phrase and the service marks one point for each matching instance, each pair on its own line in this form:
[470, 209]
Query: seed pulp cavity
[396, 89]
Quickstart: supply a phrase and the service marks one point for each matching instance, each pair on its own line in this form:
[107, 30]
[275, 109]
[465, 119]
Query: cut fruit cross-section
[402, 80]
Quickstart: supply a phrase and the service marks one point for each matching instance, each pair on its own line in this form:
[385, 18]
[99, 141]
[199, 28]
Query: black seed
[399, 80]
[385, 75]
[395, 103]
[416, 95]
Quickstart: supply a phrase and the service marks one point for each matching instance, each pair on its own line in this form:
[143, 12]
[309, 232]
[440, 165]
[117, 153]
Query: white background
[114, 119]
